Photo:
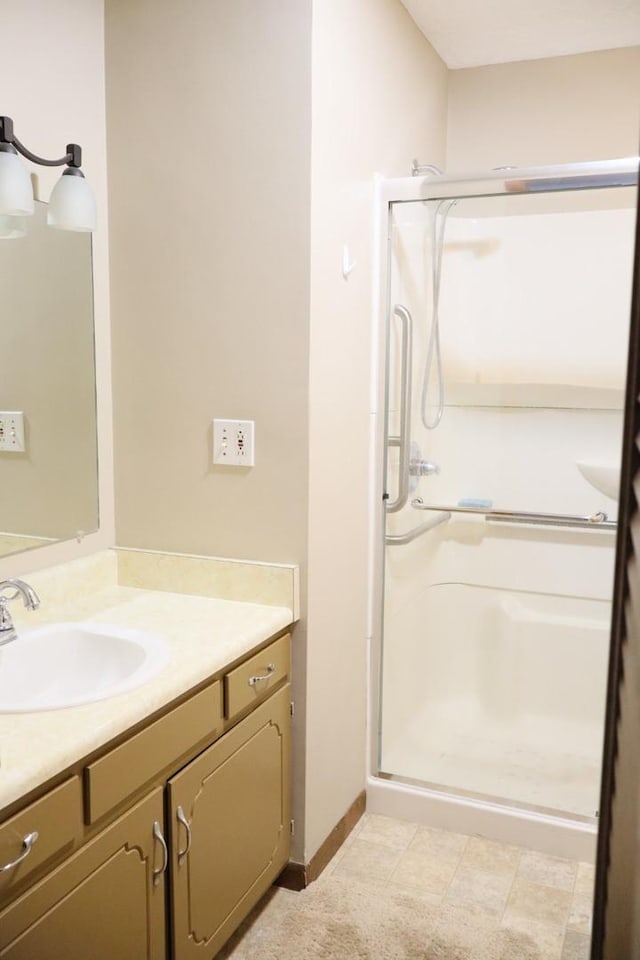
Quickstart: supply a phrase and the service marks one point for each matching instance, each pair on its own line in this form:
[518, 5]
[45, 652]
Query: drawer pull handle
[27, 844]
[185, 823]
[157, 832]
[271, 667]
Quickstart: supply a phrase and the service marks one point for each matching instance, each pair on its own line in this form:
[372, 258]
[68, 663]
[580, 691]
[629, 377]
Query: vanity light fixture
[72, 205]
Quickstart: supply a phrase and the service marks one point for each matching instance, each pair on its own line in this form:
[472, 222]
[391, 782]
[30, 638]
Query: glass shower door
[508, 326]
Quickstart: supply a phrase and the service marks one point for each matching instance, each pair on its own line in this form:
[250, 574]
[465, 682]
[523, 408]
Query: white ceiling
[469, 33]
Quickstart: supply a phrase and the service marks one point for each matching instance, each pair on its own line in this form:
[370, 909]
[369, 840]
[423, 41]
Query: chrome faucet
[30, 599]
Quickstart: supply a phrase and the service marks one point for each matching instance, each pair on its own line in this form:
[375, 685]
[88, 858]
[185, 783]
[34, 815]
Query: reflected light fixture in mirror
[72, 205]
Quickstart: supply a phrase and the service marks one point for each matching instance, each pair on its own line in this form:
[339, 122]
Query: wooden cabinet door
[107, 901]
[235, 799]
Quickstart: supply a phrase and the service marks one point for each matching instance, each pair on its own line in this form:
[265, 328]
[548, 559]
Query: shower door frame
[433, 806]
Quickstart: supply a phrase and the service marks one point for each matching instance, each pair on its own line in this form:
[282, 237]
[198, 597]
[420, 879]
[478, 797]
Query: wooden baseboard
[297, 876]
[293, 877]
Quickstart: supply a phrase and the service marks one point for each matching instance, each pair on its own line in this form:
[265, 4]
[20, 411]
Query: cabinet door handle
[271, 667]
[157, 832]
[27, 844]
[185, 823]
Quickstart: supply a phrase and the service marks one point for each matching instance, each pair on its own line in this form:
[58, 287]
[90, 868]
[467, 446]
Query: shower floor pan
[498, 694]
[452, 747]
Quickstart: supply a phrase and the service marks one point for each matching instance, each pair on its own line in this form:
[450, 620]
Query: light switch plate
[233, 442]
[11, 431]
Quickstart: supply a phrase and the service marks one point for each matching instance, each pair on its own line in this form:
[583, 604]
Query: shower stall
[501, 368]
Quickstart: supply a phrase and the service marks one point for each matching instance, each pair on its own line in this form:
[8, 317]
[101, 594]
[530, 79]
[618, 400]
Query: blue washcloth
[475, 503]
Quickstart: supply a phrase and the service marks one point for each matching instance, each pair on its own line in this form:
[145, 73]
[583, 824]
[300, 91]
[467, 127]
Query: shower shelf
[597, 521]
[546, 396]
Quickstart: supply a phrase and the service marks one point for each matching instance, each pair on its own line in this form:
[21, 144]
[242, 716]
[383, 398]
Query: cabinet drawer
[56, 818]
[254, 679]
[127, 768]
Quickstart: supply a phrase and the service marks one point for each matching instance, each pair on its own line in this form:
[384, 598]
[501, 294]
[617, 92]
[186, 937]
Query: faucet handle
[7, 629]
[5, 616]
[422, 468]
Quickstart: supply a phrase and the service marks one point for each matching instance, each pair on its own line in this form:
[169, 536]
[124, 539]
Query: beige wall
[209, 119]
[559, 110]
[52, 82]
[379, 100]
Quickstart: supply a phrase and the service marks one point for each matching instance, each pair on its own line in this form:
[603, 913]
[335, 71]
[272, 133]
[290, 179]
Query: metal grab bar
[403, 439]
[396, 540]
[597, 521]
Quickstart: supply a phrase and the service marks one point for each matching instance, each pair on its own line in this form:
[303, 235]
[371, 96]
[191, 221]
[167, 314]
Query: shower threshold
[451, 790]
[572, 837]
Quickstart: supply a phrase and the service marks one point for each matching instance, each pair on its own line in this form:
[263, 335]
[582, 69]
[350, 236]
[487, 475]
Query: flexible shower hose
[433, 361]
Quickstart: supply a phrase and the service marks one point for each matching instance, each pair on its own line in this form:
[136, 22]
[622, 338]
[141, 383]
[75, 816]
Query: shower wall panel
[537, 298]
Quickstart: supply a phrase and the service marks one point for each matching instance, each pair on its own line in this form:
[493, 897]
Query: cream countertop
[204, 636]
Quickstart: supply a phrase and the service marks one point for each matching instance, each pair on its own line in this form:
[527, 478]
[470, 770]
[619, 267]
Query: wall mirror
[48, 491]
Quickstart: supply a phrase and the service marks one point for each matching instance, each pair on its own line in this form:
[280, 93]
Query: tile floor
[504, 887]
[548, 897]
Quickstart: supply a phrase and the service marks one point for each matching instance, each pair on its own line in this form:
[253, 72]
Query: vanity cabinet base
[225, 814]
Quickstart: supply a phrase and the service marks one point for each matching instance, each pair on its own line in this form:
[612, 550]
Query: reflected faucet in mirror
[30, 599]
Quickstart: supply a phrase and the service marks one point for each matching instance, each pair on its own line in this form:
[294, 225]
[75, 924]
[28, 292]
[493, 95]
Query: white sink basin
[66, 664]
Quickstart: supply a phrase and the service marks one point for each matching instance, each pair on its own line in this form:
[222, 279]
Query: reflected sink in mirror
[605, 477]
[66, 664]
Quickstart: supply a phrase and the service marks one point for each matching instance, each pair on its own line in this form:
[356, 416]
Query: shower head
[445, 206]
[421, 169]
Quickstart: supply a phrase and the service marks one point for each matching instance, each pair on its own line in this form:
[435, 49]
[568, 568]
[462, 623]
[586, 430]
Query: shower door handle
[403, 439]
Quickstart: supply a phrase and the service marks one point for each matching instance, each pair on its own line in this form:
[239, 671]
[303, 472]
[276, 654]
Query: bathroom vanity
[158, 842]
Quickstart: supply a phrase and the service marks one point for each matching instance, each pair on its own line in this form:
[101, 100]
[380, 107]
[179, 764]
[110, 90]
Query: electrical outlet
[233, 442]
[11, 431]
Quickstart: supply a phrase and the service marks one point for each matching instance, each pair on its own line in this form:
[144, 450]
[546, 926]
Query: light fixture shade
[12, 227]
[16, 193]
[72, 205]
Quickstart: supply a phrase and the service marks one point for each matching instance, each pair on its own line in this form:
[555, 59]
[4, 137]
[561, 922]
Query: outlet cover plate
[11, 431]
[234, 443]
